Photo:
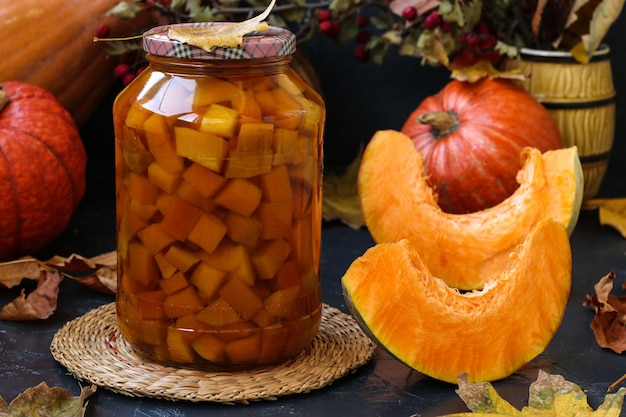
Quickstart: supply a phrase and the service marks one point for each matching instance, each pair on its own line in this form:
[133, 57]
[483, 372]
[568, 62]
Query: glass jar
[218, 163]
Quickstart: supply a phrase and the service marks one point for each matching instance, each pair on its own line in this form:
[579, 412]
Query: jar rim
[275, 42]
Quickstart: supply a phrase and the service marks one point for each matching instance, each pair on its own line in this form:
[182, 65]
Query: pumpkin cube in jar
[182, 258]
[248, 109]
[276, 185]
[218, 313]
[161, 144]
[182, 302]
[279, 108]
[174, 283]
[208, 232]
[244, 351]
[141, 266]
[273, 341]
[244, 164]
[227, 256]
[289, 147]
[214, 90]
[255, 137]
[207, 182]
[210, 348]
[240, 196]
[243, 229]
[178, 348]
[141, 190]
[276, 218]
[269, 257]
[206, 149]
[166, 181]
[208, 280]
[180, 219]
[219, 121]
[241, 298]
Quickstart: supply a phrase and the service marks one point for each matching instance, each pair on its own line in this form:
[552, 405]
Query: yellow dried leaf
[480, 70]
[214, 36]
[549, 396]
[45, 401]
[611, 212]
[341, 198]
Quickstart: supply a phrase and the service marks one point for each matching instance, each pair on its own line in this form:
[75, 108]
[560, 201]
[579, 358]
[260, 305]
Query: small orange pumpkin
[42, 168]
[471, 136]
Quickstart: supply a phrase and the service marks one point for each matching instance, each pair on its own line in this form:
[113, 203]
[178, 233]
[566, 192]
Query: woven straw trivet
[92, 348]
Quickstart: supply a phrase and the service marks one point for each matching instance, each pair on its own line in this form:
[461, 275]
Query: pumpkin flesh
[471, 134]
[466, 250]
[441, 332]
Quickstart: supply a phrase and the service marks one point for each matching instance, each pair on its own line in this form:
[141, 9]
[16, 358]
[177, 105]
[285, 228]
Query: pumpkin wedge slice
[465, 250]
[439, 331]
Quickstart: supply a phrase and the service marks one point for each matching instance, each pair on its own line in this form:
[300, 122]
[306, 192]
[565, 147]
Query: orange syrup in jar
[218, 164]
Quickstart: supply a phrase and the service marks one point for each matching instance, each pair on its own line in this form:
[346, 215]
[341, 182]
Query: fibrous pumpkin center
[442, 123]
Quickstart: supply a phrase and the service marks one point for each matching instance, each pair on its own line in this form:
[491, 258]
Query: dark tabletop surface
[383, 387]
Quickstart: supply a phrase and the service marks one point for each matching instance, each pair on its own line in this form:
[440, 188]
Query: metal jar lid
[274, 42]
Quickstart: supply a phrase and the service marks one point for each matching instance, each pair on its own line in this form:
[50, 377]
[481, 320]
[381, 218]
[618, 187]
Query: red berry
[363, 36]
[166, 2]
[409, 13]
[128, 78]
[323, 15]
[470, 39]
[433, 20]
[482, 28]
[102, 31]
[330, 28]
[487, 41]
[121, 70]
[446, 27]
[360, 53]
[362, 21]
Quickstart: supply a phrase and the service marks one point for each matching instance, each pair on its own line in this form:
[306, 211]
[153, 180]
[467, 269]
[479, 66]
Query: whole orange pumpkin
[42, 168]
[471, 136]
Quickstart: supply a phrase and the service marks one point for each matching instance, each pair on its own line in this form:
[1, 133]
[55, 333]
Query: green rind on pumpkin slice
[463, 249]
[441, 332]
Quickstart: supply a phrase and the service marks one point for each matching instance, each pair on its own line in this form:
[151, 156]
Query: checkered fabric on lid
[274, 42]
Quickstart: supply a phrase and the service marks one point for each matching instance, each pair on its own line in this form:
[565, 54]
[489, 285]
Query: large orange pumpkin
[42, 168]
[50, 44]
[471, 135]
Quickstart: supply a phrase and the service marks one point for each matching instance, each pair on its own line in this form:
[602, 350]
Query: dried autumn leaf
[549, 395]
[98, 273]
[45, 401]
[12, 273]
[340, 197]
[608, 323]
[587, 25]
[38, 304]
[214, 36]
[480, 70]
[611, 211]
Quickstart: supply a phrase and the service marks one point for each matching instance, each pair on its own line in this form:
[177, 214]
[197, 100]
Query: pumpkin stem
[4, 98]
[442, 122]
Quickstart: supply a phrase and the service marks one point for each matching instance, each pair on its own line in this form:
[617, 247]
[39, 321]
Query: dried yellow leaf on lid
[215, 36]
